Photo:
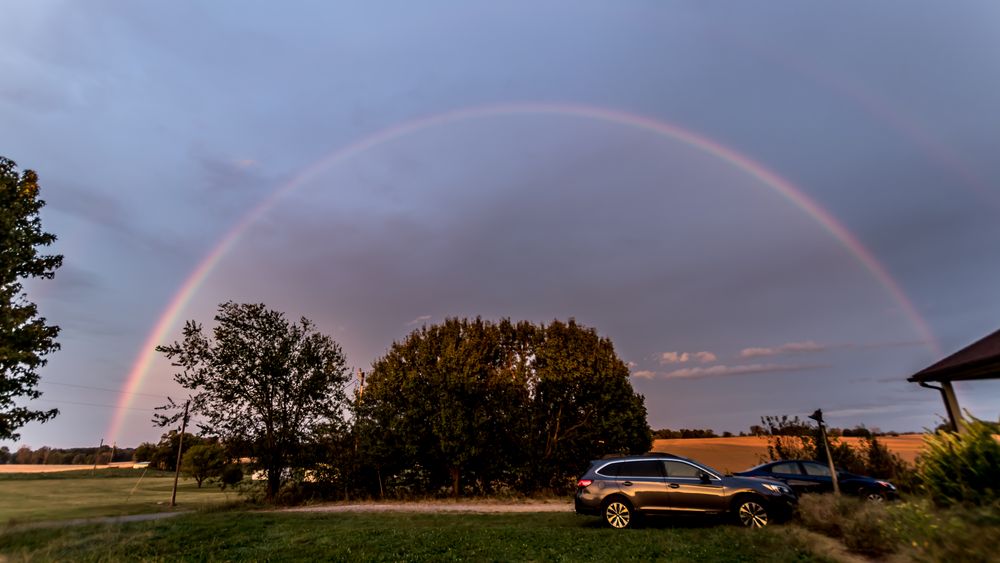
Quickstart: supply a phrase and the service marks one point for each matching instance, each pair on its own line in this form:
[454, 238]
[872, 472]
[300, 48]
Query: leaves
[490, 404]
[25, 338]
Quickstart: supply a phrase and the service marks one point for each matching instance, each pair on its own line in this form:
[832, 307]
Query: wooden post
[180, 448]
[829, 460]
[97, 457]
[951, 406]
[818, 417]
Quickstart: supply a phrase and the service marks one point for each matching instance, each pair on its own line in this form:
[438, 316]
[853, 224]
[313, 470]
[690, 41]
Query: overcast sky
[155, 128]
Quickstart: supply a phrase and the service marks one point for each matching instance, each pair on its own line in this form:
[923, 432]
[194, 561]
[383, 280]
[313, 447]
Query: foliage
[914, 529]
[163, 455]
[861, 525]
[475, 405]
[204, 461]
[961, 467]
[25, 338]
[792, 438]
[230, 476]
[262, 384]
[271, 536]
[685, 433]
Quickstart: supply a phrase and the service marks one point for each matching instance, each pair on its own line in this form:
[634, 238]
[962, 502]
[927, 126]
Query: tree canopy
[516, 404]
[25, 338]
[260, 383]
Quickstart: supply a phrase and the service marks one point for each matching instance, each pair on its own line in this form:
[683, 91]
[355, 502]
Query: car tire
[752, 512]
[618, 513]
[872, 496]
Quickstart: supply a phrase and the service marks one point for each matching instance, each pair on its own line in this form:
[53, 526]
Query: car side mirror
[705, 478]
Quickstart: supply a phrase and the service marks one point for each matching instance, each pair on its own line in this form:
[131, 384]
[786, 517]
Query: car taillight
[583, 483]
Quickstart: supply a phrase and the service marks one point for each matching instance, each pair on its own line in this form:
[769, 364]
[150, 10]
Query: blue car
[805, 476]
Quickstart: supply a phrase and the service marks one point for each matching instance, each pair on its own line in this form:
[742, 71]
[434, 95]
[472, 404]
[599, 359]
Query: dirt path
[441, 506]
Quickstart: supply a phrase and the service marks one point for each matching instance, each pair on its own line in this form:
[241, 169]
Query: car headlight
[777, 489]
[887, 485]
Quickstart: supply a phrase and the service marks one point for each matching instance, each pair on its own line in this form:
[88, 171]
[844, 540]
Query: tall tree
[25, 338]
[260, 382]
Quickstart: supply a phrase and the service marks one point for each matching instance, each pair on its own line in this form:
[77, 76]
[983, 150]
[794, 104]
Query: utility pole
[180, 448]
[114, 446]
[818, 417]
[97, 456]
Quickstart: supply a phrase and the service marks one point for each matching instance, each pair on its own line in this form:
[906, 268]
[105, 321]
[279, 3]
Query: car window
[786, 468]
[640, 469]
[610, 470]
[681, 469]
[816, 469]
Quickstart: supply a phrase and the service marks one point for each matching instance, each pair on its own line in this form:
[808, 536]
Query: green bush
[913, 530]
[864, 527]
[961, 467]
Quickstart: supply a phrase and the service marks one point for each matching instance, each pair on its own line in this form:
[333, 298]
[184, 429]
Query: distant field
[739, 453]
[29, 468]
[33, 499]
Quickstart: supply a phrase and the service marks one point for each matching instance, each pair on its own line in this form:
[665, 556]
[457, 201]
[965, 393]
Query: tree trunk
[273, 482]
[455, 476]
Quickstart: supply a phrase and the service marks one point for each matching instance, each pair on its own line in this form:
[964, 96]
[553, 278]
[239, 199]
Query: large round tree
[481, 403]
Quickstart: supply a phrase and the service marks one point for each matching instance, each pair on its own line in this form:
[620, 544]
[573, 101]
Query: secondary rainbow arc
[736, 159]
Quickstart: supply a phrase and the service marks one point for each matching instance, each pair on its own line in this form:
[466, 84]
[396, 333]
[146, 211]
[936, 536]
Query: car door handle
[674, 486]
[627, 483]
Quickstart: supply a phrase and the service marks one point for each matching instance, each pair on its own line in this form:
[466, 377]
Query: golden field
[739, 453]
[29, 468]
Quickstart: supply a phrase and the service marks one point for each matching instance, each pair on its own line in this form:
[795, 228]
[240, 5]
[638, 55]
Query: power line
[94, 405]
[45, 382]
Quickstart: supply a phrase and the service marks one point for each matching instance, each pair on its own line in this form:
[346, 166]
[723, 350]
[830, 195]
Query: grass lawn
[34, 498]
[213, 536]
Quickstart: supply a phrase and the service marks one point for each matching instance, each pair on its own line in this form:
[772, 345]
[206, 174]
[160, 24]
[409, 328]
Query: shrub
[915, 530]
[230, 476]
[961, 467]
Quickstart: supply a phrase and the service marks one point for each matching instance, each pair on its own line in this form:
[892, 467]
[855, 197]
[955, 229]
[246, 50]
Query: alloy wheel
[617, 515]
[875, 497]
[753, 515]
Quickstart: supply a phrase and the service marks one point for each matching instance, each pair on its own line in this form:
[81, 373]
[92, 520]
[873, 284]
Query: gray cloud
[804, 347]
[684, 357]
[700, 372]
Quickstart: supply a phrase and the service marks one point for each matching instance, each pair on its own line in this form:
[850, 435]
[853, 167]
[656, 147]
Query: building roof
[979, 360]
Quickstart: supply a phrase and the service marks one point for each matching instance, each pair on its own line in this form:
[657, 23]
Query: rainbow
[167, 319]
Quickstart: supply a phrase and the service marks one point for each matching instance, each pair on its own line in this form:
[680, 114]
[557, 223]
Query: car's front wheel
[618, 513]
[873, 496]
[752, 513]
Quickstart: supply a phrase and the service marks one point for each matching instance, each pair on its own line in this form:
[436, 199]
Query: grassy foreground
[59, 498]
[217, 536]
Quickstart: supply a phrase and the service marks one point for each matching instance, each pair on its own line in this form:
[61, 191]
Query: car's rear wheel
[618, 513]
[752, 512]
